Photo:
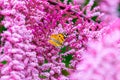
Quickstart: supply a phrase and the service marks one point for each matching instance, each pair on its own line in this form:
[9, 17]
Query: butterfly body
[57, 39]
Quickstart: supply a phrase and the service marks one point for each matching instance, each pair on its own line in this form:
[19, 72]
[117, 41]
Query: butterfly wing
[54, 43]
[56, 39]
[61, 38]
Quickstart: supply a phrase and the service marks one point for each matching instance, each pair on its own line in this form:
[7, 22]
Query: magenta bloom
[26, 53]
[102, 58]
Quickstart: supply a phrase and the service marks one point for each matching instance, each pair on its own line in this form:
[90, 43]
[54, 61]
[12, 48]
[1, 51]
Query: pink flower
[101, 60]
[30, 23]
[110, 7]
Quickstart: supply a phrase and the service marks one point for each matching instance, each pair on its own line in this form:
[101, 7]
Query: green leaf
[67, 59]
[94, 18]
[46, 61]
[4, 62]
[47, 70]
[65, 72]
[63, 50]
[1, 18]
[84, 12]
[86, 2]
[42, 76]
[62, 0]
[64, 15]
[2, 28]
[74, 20]
[69, 1]
[94, 5]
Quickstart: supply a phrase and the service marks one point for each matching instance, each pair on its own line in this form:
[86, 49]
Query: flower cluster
[101, 60]
[25, 51]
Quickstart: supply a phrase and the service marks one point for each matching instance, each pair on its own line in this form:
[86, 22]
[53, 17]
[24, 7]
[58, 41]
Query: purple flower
[30, 23]
[101, 60]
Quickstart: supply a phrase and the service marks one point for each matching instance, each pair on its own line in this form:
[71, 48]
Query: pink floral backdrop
[91, 50]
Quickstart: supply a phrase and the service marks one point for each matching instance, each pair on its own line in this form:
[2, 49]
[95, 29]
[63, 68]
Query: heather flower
[25, 50]
[110, 7]
[101, 60]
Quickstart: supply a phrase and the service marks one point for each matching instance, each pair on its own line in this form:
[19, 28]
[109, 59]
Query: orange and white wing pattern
[57, 39]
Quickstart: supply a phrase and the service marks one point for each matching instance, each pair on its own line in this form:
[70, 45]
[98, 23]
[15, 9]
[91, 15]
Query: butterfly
[57, 40]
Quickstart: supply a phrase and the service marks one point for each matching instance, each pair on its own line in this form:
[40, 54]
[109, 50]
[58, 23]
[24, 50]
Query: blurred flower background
[91, 50]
